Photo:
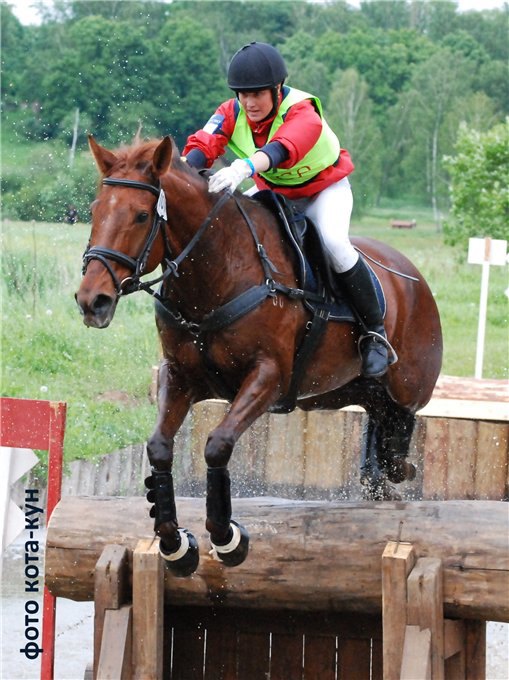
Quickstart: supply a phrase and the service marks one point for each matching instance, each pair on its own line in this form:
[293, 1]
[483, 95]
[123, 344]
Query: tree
[350, 114]
[187, 73]
[435, 86]
[385, 59]
[14, 46]
[479, 188]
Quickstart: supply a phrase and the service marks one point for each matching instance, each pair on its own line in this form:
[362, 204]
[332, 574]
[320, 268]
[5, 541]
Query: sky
[27, 15]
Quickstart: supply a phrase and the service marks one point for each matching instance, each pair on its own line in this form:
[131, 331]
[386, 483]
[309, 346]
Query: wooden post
[416, 662]
[115, 659]
[148, 610]
[111, 584]
[425, 608]
[398, 560]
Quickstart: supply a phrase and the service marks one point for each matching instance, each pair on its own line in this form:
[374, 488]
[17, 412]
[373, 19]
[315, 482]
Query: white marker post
[484, 251]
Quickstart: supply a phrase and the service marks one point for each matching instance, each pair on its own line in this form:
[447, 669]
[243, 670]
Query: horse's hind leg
[386, 443]
[395, 446]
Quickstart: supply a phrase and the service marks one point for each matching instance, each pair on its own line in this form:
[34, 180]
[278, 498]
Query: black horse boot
[373, 346]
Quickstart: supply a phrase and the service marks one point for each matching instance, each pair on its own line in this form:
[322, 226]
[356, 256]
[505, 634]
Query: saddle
[314, 271]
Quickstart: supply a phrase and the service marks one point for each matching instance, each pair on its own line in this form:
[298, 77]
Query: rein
[227, 313]
[219, 317]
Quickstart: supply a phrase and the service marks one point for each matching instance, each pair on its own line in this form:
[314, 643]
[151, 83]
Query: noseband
[137, 265]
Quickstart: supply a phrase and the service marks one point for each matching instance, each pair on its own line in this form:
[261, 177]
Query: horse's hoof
[235, 551]
[399, 471]
[184, 560]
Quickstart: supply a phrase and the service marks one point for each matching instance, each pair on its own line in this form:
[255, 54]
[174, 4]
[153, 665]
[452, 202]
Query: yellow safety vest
[323, 154]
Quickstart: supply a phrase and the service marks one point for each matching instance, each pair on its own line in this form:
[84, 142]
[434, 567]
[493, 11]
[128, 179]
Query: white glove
[231, 177]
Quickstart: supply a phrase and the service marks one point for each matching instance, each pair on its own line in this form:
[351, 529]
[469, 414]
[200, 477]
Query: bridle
[137, 265]
[170, 265]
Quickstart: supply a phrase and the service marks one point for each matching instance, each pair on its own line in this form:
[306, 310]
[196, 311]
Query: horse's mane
[138, 156]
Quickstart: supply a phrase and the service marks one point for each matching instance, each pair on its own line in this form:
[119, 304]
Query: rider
[285, 144]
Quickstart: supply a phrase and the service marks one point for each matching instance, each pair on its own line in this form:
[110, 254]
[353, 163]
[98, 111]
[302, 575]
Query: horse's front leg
[177, 546]
[261, 388]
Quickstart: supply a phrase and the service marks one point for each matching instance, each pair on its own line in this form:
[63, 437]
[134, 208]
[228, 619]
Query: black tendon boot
[373, 346]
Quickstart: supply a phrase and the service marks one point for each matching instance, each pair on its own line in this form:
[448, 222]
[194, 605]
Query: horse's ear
[162, 157]
[105, 159]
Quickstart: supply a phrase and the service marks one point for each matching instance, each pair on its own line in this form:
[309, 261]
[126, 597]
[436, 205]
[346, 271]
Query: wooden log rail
[403, 224]
[304, 555]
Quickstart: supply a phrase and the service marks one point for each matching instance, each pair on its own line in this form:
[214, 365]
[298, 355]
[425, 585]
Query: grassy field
[105, 376]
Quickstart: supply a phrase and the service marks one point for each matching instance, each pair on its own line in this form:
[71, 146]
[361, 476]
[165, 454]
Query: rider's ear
[162, 157]
[105, 159]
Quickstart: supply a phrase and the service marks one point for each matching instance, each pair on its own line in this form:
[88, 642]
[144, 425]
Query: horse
[235, 324]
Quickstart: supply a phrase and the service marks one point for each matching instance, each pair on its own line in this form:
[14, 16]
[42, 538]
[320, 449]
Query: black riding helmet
[256, 66]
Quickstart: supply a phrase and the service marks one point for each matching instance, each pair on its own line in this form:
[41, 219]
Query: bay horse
[234, 324]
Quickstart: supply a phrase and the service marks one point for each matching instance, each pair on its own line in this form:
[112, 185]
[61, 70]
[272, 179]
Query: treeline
[397, 78]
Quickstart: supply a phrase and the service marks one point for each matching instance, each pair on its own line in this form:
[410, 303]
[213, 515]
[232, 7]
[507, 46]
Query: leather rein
[218, 318]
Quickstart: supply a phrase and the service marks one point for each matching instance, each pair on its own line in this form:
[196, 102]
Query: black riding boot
[358, 285]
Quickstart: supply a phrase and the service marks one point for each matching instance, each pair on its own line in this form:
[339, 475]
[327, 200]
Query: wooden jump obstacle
[403, 224]
[329, 590]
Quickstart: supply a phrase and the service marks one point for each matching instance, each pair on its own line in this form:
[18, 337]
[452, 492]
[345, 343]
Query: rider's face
[257, 105]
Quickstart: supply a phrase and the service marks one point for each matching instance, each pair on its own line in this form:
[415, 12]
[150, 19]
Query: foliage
[164, 63]
[42, 184]
[479, 186]
[350, 112]
[47, 353]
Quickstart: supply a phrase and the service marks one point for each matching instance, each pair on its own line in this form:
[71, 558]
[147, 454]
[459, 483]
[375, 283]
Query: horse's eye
[142, 217]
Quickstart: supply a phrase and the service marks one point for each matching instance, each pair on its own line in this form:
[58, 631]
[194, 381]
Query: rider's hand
[231, 177]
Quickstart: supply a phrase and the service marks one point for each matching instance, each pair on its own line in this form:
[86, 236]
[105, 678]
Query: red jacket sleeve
[212, 139]
[299, 133]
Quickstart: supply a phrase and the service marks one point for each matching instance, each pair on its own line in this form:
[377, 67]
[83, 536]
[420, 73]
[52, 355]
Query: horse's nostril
[101, 304]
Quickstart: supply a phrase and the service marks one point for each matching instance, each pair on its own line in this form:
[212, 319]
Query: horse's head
[128, 223]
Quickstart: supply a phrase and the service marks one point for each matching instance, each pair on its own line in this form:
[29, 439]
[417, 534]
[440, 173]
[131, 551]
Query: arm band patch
[214, 124]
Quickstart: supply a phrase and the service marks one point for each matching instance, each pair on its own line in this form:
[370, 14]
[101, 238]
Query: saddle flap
[314, 272]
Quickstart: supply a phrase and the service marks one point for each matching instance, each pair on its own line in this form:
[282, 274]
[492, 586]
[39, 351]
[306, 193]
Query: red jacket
[298, 134]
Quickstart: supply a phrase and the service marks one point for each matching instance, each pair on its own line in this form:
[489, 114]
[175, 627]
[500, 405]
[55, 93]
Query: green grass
[104, 375]
[47, 352]
[456, 286]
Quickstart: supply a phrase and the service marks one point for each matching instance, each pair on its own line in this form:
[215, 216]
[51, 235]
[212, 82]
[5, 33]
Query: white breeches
[330, 210]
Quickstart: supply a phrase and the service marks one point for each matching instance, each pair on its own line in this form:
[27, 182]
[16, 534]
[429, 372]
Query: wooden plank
[221, 651]
[286, 656]
[416, 661]
[111, 589]
[354, 659]
[462, 454]
[325, 448]
[285, 449]
[435, 460]
[454, 637]
[398, 559]
[332, 444]
[115, 657]
[492, 461]
[253, 655]
[320, 657]
[425, 605]
[247, 465]
[475, 653]
[148, 603]
[188, 653]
